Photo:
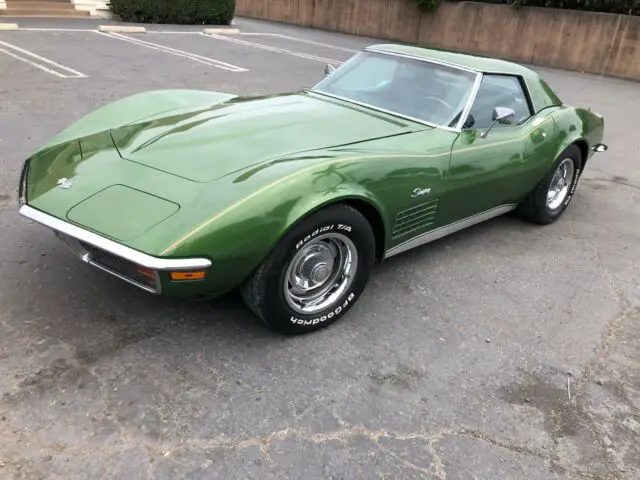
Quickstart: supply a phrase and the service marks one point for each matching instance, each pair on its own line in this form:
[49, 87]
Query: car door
[488, 171]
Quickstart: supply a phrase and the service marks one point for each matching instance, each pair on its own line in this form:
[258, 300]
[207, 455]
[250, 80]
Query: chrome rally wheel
[560, 184]
[316, 272]
[553, 193]
[320, 273]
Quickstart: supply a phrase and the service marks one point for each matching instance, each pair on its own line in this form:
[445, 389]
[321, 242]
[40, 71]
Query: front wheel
[315, 274]
[546, 203]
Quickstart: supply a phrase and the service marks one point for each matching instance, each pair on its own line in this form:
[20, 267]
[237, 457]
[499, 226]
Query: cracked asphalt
[506, 351]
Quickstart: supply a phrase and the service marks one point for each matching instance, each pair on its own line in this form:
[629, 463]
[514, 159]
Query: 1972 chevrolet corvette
[293, 198]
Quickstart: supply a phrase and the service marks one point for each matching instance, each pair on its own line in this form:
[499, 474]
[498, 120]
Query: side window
[498, 91]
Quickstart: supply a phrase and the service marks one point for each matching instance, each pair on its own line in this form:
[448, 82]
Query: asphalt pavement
[505, 351]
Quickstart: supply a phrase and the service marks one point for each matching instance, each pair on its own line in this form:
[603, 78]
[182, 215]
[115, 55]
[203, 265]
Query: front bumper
[123, 262]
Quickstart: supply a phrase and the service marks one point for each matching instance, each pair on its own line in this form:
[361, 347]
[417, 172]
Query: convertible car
[293, 198]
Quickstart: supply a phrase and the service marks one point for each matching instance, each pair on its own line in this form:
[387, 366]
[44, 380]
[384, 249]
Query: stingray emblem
[418, 192]
[65, 183]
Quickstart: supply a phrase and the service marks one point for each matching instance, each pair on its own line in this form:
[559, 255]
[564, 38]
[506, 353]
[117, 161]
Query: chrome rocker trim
[445, 230]
[72, 235]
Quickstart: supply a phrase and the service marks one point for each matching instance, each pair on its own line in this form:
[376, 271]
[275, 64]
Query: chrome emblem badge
[421, 191]
[65, 183]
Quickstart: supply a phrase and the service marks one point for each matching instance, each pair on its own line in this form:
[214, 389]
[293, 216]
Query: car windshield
[423, 90]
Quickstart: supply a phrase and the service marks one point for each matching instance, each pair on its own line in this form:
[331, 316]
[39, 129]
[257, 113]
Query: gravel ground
[504, 351]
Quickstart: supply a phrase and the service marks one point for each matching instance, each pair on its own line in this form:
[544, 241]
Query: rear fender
[578, 126]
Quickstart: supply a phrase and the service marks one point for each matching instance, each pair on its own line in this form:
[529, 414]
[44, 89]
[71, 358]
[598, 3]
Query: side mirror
[501, 115]
[329, 69]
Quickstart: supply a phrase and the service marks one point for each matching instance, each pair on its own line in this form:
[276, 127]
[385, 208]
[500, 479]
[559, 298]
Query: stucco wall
[585, 41]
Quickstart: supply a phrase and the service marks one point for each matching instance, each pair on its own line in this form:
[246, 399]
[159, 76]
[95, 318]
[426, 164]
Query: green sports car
[293, 198]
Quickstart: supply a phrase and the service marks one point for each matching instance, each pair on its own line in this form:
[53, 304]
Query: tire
[336, 232]
[536, 207]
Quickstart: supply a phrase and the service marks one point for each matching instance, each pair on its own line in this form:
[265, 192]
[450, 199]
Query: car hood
[204, 144]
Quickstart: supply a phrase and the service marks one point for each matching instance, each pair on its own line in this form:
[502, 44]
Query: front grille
[129, 271]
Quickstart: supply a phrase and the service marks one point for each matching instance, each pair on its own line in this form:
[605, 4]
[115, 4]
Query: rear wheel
[315, 274]
[546, 203]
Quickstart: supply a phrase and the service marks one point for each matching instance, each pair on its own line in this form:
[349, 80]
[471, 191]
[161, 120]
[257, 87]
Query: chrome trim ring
[320, 272]
[560, 184]
[134, 256]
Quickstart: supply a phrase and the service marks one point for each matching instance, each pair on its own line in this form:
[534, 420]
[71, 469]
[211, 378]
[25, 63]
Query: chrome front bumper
[123, 262]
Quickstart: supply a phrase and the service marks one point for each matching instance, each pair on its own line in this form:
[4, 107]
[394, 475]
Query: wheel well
[584, 150]
[375, 220]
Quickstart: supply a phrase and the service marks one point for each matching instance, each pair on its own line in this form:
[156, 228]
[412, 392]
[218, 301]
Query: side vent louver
[415, 218]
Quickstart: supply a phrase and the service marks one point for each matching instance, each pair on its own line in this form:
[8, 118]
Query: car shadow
[66, 305]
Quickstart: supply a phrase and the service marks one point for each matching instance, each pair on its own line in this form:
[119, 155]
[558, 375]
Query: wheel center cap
[320, 273]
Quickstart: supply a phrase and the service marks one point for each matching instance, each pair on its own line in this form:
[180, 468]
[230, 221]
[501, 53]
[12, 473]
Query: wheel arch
[366, 206]
[582, 144]
[375, 219]
[579, 142]
[580, 127]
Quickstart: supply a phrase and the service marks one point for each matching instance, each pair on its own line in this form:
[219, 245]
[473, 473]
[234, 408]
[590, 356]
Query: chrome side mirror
[329, 69]
[501, 115]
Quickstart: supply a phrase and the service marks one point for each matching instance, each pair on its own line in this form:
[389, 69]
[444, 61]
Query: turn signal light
[181, 276]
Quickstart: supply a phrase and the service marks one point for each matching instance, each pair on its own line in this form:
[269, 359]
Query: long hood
[205, 144]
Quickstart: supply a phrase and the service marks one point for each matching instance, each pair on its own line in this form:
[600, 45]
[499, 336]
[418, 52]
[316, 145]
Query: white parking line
[273, 49]
[38, 29]
[301, 40]
[181, 53]
[172, 32]
[32, 29]
[53, 68]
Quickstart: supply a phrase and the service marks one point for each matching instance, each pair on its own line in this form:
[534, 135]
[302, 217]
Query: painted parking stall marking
[173, 51]
[38, 61]
[300, 40]
[273, 49]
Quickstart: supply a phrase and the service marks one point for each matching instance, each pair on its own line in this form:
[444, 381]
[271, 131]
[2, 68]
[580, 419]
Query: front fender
[240, 234]
[137, 107]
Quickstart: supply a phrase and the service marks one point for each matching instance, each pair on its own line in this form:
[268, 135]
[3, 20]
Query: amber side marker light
[183, 276]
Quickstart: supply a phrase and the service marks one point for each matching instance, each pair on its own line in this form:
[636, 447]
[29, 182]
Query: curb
[214, 31]
[8, 26]
[121, 29]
